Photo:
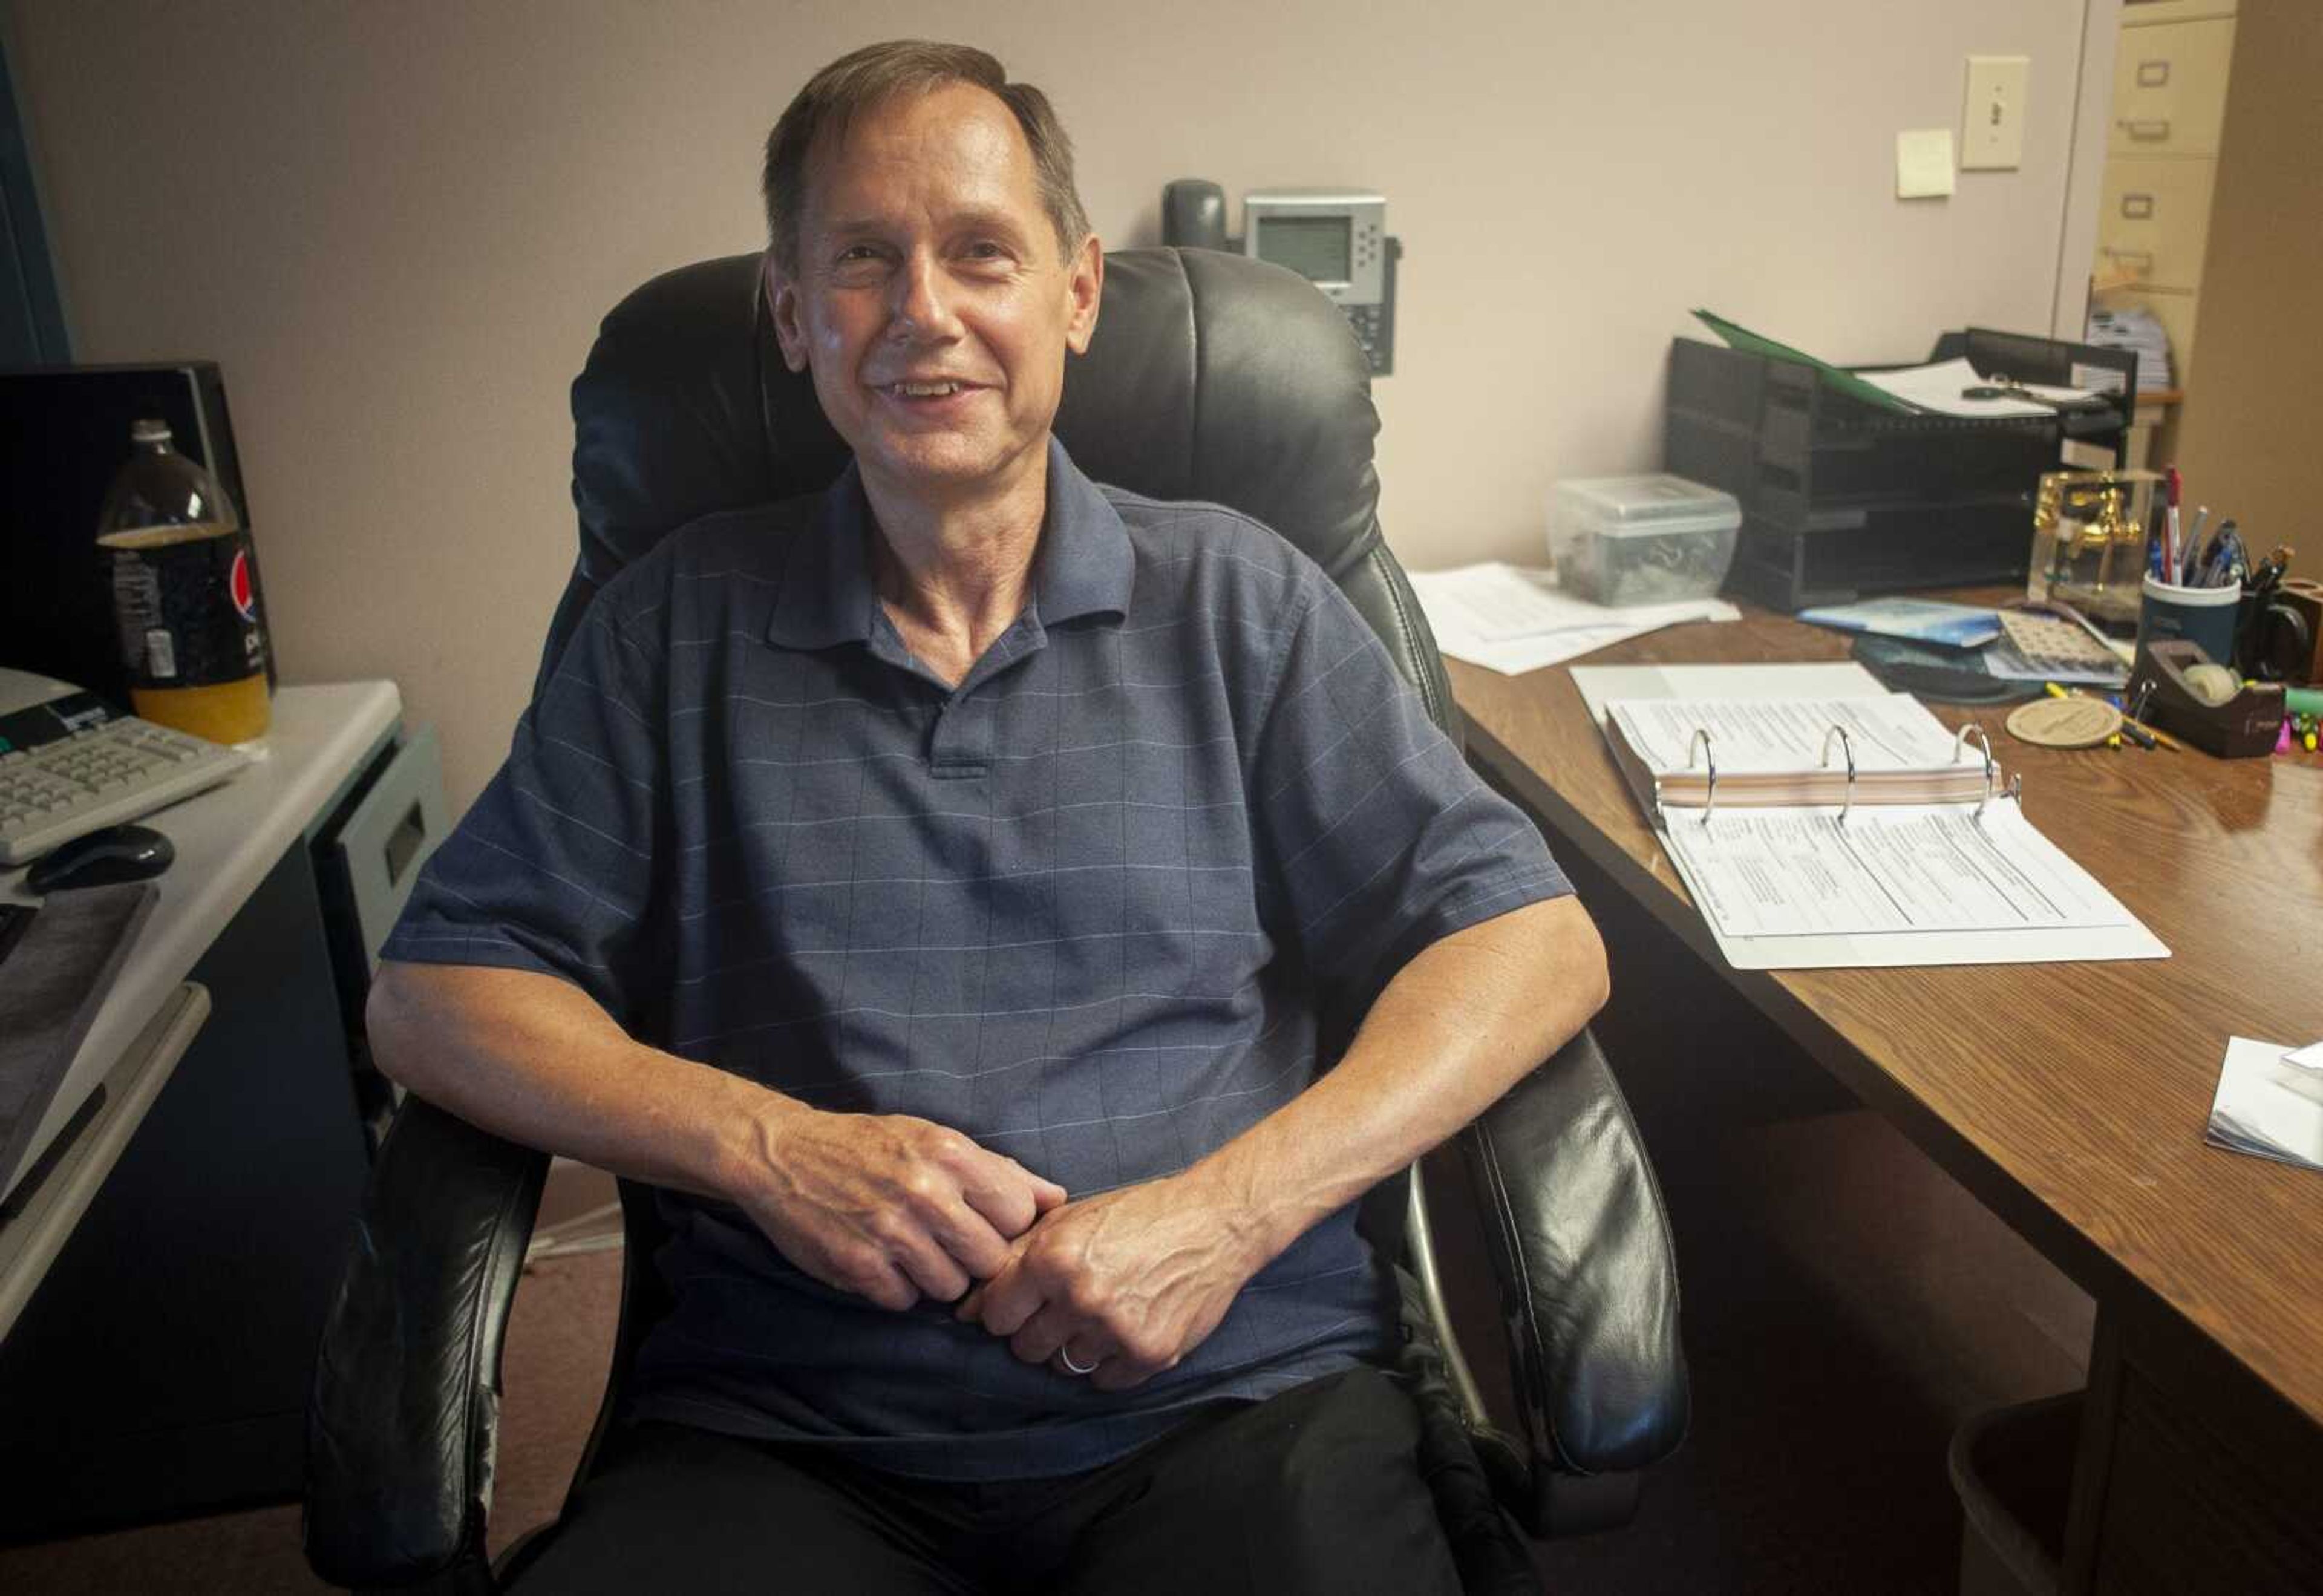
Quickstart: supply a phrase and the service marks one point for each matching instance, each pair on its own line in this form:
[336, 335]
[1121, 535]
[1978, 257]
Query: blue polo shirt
[1083, 907]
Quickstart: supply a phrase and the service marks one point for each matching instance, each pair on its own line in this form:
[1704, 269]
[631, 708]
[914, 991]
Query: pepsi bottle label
[187, 613]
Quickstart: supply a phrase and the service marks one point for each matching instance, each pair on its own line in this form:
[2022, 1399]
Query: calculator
[2056, 647]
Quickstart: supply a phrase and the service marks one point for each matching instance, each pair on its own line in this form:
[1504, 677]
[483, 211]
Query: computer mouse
[117, 853]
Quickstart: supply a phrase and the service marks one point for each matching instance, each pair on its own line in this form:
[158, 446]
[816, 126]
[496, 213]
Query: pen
[2169, 571]
[2226, 555]
[2193, 541]
[2145, 736]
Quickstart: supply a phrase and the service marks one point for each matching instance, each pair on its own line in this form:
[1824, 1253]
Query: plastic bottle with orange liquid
[183, 594]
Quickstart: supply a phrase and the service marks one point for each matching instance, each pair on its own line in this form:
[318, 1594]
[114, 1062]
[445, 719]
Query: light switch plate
[1992, 116]
[1924, 163]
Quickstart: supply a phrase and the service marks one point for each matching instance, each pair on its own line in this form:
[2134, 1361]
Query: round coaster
[2064, 723]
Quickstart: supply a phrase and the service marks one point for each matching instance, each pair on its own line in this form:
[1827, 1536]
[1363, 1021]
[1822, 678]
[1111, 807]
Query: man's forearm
[888, 1206]
[531, 1058]
[1455, 1028]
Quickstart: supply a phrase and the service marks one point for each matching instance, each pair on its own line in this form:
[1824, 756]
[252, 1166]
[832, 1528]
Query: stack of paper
[1512, 619]
[1954, 388]
[2134, 327]
[2270, 1101]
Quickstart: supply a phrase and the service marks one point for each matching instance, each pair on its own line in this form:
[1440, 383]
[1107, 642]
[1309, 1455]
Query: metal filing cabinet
[2170, 80]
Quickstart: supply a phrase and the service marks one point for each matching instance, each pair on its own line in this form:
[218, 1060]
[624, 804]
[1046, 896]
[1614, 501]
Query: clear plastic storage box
[1641, 540]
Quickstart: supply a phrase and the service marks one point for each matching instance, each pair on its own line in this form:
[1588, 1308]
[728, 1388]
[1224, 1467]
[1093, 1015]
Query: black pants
[1315, 1490]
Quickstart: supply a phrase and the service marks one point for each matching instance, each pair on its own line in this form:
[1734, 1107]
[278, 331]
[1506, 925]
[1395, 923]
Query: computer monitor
[64, 432]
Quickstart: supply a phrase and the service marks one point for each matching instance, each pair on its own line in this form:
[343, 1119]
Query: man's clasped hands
[1118, 1286]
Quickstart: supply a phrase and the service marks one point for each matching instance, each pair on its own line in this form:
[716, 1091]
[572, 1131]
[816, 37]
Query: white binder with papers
[1798, 885]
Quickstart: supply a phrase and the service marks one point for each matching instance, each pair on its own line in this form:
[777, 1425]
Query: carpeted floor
[560, 1334]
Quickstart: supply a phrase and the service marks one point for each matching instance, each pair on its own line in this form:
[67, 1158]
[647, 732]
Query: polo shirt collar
[1084, 567]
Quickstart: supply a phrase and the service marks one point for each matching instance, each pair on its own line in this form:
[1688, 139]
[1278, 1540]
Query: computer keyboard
[119, 770]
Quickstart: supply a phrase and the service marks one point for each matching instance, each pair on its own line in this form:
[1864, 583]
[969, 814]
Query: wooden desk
[2069, 1098]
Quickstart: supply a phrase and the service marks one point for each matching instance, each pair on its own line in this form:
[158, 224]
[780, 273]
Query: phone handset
[1194, 214]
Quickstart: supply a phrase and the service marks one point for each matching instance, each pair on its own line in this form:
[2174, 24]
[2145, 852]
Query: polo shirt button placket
[959, 744]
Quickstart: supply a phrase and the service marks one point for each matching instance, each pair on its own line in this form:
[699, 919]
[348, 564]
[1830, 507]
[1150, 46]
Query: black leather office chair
[1211, 377]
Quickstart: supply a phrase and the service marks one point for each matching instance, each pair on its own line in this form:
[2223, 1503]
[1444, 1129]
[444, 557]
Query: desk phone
[1334, 238]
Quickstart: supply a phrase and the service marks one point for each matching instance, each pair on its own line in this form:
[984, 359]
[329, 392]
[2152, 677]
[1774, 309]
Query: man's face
[931, 301]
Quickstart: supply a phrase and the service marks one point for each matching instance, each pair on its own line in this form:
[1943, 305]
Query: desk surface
[227, 838]
[2072, 1098]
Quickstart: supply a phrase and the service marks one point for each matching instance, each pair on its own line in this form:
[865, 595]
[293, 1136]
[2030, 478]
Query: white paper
[2310, 1057]
[1943, 388]
[1600, 685]
[1512, 618]
[1892, 732]
[1515, 657]
[1492, 603]
[2267, 1105]
[1806, 872]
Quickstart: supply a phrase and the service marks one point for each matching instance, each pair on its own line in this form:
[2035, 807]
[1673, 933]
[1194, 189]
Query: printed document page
[1512, 619]
[1944, 387]
[1803, 871]
[1600, 685]
[1892, 732]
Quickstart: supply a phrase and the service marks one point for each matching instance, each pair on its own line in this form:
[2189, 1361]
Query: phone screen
[1318, 248]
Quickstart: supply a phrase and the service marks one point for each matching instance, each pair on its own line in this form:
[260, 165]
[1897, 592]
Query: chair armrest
[1588, 1285]
[404, 1415]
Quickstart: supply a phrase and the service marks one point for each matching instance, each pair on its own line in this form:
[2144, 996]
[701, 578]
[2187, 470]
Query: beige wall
[2247, 440]
[396, 225]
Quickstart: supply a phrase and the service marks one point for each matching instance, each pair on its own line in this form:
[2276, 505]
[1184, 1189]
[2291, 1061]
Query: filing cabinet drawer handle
[2137, 207]
[2153, 74]
[2139, 260]
[2151, 130]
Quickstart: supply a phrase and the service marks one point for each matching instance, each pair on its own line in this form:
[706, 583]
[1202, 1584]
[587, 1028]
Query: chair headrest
[1211, 376]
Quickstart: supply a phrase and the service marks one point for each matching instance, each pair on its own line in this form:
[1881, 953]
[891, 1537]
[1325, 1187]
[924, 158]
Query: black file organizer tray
[1841, 498]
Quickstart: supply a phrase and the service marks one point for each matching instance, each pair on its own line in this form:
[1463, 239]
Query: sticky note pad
[1924, 163]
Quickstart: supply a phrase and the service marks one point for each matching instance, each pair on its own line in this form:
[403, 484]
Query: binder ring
[1959, 739]
[1710, 793]
[1846, 746]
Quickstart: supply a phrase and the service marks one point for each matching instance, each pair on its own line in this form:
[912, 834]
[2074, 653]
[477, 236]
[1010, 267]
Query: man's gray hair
[866, 78]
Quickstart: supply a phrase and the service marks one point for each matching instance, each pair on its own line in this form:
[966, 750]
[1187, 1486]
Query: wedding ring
[1066, 1358]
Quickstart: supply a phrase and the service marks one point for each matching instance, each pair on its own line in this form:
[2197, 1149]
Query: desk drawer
[2155, 218]
[2170, 88]
[2192, 1507]
[382, 843]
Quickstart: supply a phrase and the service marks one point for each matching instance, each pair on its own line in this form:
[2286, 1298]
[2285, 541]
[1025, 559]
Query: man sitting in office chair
[930, 885]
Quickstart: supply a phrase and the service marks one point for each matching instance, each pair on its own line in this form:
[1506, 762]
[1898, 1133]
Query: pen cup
[2201, 615]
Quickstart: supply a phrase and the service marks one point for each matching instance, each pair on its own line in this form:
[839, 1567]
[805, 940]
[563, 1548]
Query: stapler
[2245, 720]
